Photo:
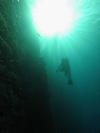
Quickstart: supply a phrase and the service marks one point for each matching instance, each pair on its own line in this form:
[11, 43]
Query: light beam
[54, 17]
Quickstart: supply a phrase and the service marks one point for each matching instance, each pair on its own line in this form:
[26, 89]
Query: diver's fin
[70, 82]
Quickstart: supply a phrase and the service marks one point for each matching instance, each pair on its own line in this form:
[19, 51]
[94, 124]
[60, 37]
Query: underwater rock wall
[24, 89]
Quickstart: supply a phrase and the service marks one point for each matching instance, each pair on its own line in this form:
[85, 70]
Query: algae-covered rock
[24, 88]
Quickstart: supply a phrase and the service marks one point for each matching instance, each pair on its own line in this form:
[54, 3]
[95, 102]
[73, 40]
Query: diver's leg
[70, 82]
[65, 73]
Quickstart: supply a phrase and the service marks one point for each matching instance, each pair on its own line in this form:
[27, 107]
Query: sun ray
[87, 24]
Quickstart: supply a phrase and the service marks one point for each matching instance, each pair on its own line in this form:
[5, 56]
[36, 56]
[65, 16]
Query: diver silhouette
[65, 67]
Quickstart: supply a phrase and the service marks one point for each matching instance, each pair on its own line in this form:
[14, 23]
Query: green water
[76, 107]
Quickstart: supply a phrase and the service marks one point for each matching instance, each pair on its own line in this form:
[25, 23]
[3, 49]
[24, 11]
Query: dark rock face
[24, 89]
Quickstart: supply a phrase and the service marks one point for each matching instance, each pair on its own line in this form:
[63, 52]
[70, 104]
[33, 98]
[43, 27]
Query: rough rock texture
[24, 89]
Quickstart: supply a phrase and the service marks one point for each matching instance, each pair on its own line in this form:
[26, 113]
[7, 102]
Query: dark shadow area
[24, 89]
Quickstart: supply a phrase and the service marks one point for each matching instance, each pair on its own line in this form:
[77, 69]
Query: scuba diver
[65, 67]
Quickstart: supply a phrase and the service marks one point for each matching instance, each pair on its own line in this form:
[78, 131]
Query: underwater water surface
[76, 107]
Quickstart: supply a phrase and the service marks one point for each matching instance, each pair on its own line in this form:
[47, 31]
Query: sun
[54, 17]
